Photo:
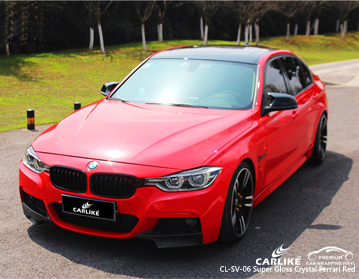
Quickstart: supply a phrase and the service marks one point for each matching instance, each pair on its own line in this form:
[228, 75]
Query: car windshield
[193, 83]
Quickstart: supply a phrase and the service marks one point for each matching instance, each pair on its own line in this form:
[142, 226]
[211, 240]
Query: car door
[309, 123]
[301, 89]
[280, 126]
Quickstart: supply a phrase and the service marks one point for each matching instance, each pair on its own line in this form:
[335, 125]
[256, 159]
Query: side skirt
[280, 180]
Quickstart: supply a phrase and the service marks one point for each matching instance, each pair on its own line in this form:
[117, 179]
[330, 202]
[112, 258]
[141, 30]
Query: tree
[249, 12]
[207, 9]
[290, 9]
[19, 31]
[96, 11]
[33, 26]
[8, 13]
[243, 15]
[343, 8]
[259, 10]
[144, 10]
[201, 27]
[308, 10]
[318, 9]
[160, 11]
[91, 23]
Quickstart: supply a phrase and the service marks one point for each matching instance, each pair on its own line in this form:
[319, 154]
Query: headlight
[33, 162]
[190, 180]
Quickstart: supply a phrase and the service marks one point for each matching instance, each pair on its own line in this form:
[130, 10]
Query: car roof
[241, 54]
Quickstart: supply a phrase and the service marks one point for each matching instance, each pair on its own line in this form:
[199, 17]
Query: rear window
[307, 75]
[294, 73]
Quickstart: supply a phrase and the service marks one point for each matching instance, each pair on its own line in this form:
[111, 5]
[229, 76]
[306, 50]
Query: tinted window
[274, 80]
[294, 73]
[212, 84]
[307, 74]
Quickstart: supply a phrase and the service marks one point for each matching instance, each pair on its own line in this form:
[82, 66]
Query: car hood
[155, 135]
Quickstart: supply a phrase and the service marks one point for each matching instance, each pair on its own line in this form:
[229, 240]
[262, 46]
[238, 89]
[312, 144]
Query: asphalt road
[315, 208]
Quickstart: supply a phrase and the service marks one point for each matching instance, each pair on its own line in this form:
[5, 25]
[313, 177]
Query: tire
[320, 143]
[239, 203]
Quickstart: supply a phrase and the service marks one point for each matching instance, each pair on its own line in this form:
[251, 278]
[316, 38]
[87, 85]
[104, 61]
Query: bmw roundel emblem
[92, 165]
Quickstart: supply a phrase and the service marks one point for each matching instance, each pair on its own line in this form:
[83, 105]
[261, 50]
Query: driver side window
[274, 81]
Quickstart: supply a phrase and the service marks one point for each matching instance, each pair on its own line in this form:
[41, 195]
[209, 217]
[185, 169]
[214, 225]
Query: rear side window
[294, 73]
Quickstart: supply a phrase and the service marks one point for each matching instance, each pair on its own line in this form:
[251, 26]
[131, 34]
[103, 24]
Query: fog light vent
[35, 204]
[190, 222]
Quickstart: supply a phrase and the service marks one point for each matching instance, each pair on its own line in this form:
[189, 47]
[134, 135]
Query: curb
[343, 73]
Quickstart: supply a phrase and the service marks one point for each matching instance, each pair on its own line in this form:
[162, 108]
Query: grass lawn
[321, 48]
[50, 83]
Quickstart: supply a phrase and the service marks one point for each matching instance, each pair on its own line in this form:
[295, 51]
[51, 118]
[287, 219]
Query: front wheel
[239, 203]
[320, 144]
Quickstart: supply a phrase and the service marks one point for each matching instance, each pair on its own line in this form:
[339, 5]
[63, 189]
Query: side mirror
[280, 101]
[108, 87]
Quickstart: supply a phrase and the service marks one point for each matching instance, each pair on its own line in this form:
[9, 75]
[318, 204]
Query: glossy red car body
[146, 140]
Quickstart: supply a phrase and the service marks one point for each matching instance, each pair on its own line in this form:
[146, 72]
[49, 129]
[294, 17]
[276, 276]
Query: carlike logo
[85, 210]
[92, 165]
[86, 205]
[279, 251]
[276, 258]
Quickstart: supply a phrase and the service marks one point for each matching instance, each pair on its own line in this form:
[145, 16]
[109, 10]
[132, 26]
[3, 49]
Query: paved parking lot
[317, 207]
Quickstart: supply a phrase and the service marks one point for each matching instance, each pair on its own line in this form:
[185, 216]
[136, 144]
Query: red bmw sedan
[182, 149]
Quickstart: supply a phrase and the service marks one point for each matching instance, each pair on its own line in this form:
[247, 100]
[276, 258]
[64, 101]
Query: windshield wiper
[177, 105]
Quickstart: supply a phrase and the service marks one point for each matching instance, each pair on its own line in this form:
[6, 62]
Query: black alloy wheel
[238, 208]
[320, 144]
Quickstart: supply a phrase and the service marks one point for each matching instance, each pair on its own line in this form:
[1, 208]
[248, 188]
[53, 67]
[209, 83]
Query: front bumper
[142, 215]
[34, 216]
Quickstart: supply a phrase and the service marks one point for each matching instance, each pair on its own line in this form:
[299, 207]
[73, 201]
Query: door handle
[315, 95]
[295, 113]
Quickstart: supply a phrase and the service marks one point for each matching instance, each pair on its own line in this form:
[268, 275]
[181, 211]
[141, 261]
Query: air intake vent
[68, 179]
[124, 223]
[35, 204]
[113, 185]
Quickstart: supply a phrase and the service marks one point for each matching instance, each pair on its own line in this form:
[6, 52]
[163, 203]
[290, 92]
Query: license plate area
[89, 207]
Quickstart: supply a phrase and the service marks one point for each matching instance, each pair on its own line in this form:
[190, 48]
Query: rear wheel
[239, 203]
[320, 144]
